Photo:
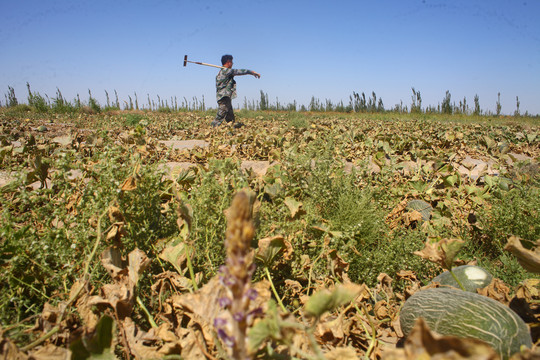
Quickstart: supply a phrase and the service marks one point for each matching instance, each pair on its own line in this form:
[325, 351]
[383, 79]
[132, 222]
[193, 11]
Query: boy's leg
[223, 111]
[230, 112]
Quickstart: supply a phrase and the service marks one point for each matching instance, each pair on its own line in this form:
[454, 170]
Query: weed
[46, 232]
[213, 191]
[133, 120]
[298, 122]
[36, 101]
[515, 212]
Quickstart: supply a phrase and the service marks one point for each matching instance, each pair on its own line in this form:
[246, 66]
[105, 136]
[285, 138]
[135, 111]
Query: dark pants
[225, 111]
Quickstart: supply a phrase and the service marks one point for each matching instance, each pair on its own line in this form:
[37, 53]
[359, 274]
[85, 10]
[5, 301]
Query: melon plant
[470, 276]
[422, 207]
[460, 313]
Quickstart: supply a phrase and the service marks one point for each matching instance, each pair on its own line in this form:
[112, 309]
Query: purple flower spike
[227, 340]
[224, 302]
[252, 294]
[255, 313]
[236, 276]
[226, 280]
[239, 316]
[251, 268]
[219, 322]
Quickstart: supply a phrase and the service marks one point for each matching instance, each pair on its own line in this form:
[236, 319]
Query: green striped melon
[460, 313]
[471, 277]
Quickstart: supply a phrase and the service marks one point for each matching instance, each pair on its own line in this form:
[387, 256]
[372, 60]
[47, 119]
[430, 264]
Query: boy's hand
[257, 75]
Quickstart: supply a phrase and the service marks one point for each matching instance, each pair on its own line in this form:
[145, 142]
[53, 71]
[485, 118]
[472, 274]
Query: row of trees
[60, 104]
[358, 102]
[361, 103]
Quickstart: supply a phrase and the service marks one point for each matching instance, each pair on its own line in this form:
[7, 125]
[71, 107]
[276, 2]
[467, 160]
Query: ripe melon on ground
[471, 277]
[456, 312]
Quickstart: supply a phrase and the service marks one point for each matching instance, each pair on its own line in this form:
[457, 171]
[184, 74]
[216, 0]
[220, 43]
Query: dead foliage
[325, 318]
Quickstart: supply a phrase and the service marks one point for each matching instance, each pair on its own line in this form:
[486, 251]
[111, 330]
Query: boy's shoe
[238, 125]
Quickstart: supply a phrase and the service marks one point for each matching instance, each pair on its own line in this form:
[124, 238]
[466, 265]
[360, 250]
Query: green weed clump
[133, 119]
[514, 212]
[211, 194]
[47, 234]
[296, 121]
[357, 229]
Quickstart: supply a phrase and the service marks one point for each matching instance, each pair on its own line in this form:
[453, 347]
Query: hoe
[201, 63]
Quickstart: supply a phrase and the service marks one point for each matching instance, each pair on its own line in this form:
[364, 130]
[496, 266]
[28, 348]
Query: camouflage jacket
[225, 83]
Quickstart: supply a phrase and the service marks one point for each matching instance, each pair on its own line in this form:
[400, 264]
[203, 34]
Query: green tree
[263, 105]
[11, 98]
[416, 106]
[446, 107]
[380, 106]
[93, 103]
[477, 110]
[36, 101]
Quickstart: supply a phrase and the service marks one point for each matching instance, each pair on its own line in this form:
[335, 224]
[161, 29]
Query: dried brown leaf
[8, 349]
[86, 312]
[381, 309]
[51, 352]
[129, 184]
[333, 330]
[442, 252]
[430, 252]
[154, 344]
[269, 248]
[385, 285]
[409, 291]
[112, 261]
[172, 280]
[49, 317]
[342, 353]
[529, 289]
[116, 233]
[115, 215]
[525, 303]
[293, 287]
[394, 217]
[137, 263]
[121, 294]
[203, 305]
[199, 309]
[528, 259]
[406, 274]
[411, 217]
[194, 346]
[117, 228]
[497, 290]
[527, 354]
[337, 266]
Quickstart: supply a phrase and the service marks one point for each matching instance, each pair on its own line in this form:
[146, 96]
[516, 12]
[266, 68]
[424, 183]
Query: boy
[226, 90]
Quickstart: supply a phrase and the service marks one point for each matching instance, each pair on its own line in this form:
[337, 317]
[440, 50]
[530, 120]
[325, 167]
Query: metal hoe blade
[201, 63]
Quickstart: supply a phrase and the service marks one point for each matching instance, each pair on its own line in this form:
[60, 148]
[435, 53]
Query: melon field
[151, 234]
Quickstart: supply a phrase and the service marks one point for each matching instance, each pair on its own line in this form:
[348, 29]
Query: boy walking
[226, 90]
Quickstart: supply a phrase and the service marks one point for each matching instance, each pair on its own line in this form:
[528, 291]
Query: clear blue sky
[325, 49]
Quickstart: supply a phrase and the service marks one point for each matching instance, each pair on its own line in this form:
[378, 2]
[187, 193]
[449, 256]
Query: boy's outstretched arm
[237, 72]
